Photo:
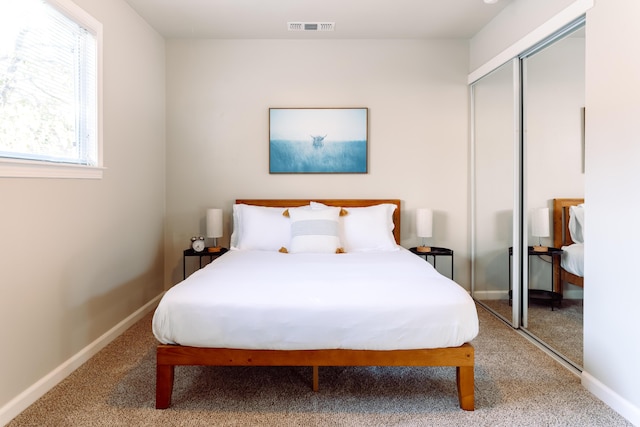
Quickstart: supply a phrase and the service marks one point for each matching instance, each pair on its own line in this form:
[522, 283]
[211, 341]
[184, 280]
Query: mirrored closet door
[553, 111]
[495, 169]
[527, 150]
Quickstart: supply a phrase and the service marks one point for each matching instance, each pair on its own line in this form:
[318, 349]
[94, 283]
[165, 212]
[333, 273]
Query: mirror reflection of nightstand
[552, 295]
[435, 252]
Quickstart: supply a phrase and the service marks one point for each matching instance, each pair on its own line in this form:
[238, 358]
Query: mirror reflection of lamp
[424, 227]
[540, 227]
[214, 227]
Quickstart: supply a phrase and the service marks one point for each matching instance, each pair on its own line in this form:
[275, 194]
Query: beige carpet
[516, 385]
[560, 328]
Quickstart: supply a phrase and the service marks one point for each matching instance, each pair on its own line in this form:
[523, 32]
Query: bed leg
[315, 378]
[164, 385]
[464, 381]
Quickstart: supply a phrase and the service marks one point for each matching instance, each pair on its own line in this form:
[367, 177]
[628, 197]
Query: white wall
[555, 96]
[611, 333]
[218, 96]
[79, 256]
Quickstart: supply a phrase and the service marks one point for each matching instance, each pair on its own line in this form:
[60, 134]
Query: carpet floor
[560, 328]
[516, 384]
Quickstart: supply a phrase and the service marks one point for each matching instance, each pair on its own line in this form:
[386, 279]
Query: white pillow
[576, 223]
[259, 228]
[317, 205]
[314, 230]
[235, 234]
[369, 229]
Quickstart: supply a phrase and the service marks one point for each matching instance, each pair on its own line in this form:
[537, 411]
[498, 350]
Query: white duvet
[270, 300]
[573, 259]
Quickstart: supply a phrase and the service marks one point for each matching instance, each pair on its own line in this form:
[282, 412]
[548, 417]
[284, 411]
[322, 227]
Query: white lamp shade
[214, 223]
[424, 222]
[540, 222]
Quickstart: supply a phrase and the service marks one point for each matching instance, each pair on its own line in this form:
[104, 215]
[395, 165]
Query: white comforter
[270, 300]
[573, 259]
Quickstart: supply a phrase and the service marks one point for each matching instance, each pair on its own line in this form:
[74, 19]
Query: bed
[568, 215]
[277, 324]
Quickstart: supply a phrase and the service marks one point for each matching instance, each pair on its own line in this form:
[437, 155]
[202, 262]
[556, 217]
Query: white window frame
[18, 168]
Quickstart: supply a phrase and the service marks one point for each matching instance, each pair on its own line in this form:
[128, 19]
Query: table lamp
[214, 227]
[540, 227]
[424, 227]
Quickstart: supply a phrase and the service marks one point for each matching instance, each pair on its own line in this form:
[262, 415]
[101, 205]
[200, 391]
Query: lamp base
[214, 249]
[540, 248]
[423, 249]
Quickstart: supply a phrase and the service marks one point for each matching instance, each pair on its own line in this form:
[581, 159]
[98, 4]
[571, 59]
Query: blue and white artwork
[318, 140]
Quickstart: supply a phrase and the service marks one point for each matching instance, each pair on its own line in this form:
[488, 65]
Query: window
[49, 90]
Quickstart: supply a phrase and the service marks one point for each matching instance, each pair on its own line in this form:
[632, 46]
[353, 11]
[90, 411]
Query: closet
[527, 148]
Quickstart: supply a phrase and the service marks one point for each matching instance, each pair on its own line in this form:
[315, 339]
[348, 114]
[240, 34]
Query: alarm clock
[197, 243]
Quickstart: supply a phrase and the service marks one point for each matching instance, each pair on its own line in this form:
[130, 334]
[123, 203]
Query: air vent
[311, 26]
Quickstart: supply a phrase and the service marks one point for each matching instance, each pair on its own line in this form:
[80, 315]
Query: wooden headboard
[561, 235]
[345, 203]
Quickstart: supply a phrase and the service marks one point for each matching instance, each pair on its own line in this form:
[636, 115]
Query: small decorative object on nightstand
[424, 228]
[197, 243]
[435, 252]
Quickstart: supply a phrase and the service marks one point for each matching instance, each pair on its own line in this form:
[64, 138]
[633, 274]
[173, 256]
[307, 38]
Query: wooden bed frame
[462, 358]
[562, 237]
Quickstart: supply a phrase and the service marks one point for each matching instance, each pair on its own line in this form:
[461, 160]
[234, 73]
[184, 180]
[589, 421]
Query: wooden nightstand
[191, 253]
[435, 252]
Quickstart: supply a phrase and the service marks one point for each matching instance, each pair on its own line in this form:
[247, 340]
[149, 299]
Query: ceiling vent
[311, 26]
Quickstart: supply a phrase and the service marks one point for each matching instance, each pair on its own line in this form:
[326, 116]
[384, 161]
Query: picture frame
[318, 140]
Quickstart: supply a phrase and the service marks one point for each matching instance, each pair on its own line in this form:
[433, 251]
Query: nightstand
[191, 253]
[435, 252]
[554, 294]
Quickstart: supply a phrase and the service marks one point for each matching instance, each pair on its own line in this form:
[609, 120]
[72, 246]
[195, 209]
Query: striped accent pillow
[314, 230]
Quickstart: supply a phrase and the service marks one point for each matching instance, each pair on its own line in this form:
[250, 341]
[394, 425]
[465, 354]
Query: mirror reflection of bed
[568, 234]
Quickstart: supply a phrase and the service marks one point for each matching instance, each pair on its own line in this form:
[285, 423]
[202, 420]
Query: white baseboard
[53, 378]
[496, 295]
[611, 398]
[490, 295]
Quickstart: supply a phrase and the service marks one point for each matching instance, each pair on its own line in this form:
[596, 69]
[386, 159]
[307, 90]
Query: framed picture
[318, 140]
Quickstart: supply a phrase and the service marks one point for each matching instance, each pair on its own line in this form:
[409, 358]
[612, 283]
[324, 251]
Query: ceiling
[354, 19]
